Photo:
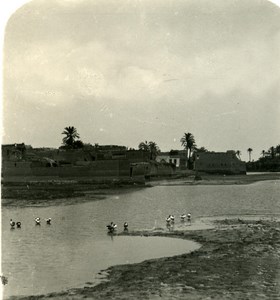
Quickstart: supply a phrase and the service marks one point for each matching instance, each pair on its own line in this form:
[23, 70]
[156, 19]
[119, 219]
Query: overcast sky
[124, 71]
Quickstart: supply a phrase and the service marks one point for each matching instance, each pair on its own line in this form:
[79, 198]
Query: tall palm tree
[71, 136]
[263, 153]
[188, 142]
[249, 151]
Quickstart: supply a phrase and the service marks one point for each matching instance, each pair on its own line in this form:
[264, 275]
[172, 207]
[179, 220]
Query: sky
[128, 71]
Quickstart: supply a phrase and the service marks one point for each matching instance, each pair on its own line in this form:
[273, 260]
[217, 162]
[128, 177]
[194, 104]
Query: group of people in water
[170, 220]
[37, 220]
[112, 227]
[15, 224]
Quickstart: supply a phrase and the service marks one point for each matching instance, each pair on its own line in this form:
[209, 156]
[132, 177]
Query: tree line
[71, 140]
[268, 161]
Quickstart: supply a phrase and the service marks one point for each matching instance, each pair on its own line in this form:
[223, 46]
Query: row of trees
[249, 150]
[269, 160]
[150, 147]
[272, 152]
[71, 140]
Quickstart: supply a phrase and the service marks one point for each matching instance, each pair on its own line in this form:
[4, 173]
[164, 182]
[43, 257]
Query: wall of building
[160, 169]
[81, 163]
[219, 162]
[97, 169]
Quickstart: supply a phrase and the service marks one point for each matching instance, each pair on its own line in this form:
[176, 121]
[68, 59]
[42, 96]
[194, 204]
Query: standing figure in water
[12, 223]
[38, 221]
[111, 227]
[49, 221]
[189, 218]
[125, 226]
[183, 217]
[18, 224]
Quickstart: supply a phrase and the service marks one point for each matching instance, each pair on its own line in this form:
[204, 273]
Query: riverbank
[211, 179]
[55, 192]
[36, 193]
[239, 259]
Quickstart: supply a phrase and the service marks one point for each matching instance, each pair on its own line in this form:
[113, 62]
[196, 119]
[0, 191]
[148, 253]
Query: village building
[176, 157]
[108, 162]
[20, 162]
[219, 163]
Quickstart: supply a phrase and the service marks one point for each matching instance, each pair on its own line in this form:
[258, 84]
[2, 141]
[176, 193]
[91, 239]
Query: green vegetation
[269, 161]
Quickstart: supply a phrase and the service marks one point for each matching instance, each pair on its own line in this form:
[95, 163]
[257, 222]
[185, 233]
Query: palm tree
[150, 147]
[154, 150]
[188, 142]
[238, 153]
[249, 151]
[263, 153]
[71, 136]
[272, 151]
[144, 146]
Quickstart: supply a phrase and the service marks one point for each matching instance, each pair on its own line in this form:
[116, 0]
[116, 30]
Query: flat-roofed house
[219, 163]
[175, 157]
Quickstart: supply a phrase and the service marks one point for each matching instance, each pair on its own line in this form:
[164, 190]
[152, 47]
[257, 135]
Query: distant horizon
[126, 72]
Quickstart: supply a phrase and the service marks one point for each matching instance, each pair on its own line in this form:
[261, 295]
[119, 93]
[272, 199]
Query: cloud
[156, 64]
[62, 71]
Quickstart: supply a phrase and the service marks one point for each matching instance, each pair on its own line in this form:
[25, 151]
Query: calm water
[71, 251]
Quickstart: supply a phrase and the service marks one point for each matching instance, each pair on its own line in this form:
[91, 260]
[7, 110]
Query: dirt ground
[238, 259]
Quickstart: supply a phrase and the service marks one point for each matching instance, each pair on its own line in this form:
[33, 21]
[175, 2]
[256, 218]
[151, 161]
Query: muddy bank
[54, 192]
[239, 259]
[35, 193]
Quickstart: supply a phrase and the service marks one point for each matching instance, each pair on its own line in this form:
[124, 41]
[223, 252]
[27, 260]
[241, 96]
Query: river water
[75, 247]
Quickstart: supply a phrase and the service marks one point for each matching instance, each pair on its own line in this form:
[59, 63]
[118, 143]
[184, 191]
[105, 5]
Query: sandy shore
[238, 259]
